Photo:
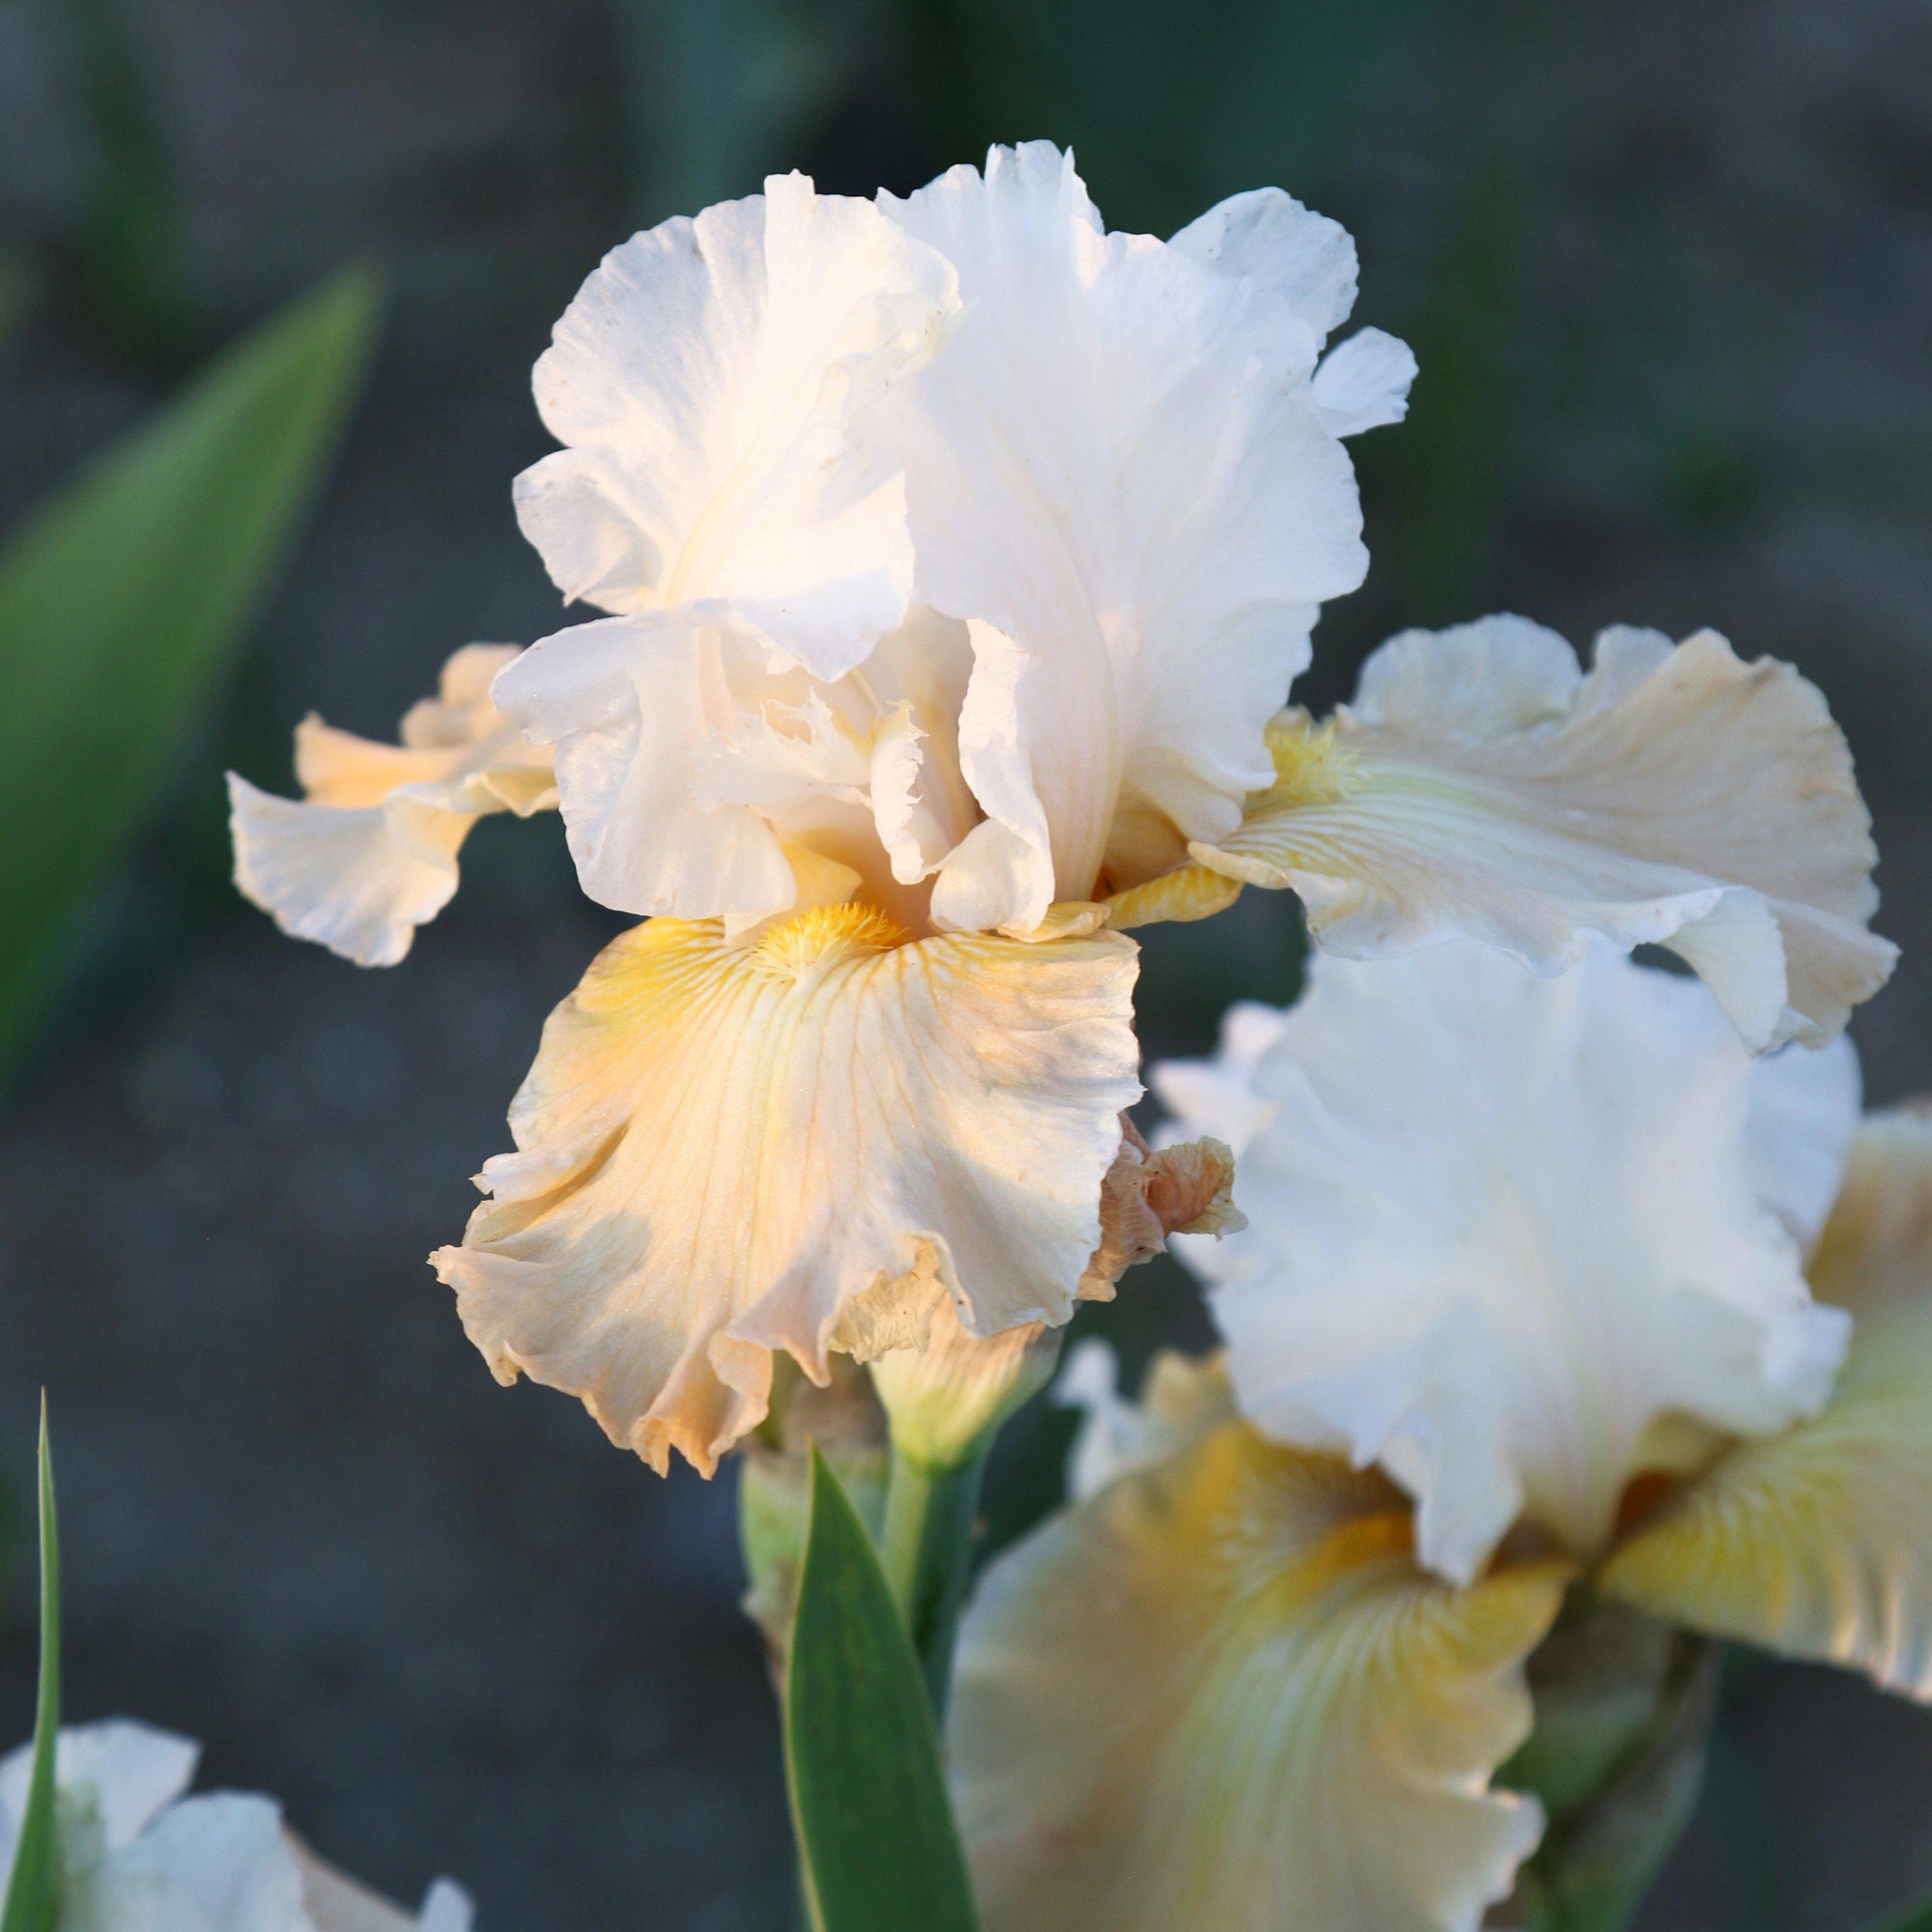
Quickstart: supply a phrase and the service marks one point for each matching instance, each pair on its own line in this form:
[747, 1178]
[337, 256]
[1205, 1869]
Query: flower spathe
[369, 854]
[1481, 785]
[137, 1856]
[1518, 1238]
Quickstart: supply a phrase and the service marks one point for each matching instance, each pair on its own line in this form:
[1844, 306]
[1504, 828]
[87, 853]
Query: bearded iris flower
[1545, 1284]
[135, 1852]
[957, 555]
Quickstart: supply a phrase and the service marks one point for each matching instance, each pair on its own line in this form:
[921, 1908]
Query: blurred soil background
[1669, 270]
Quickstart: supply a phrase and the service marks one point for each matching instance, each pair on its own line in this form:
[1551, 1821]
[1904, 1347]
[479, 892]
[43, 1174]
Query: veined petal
[1221, 1693]
[721, 1149]
[1818, 1542]
[370, 854]
[1481, 785]
[1117, 469]
[1508, 1234]
[705, 380]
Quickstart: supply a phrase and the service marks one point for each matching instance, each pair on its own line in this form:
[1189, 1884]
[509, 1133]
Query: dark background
[1669, 270]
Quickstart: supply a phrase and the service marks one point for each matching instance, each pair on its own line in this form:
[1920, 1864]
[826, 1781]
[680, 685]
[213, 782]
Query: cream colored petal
[1482, 786]
[1501, 1226]
[369, 854]
[1188, 892]
[357, 879]
[335, 1902]
[1818, 1542]
[720, 1148]
[1221, 1694]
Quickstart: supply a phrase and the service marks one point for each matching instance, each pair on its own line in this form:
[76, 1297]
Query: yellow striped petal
[1222, 1694]
[724, 1151]
[1818, 1542]
[1481, 785]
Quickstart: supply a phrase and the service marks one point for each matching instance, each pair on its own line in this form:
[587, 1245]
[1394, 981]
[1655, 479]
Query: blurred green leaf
[33, 1895]
[123, 601]
[875, 1832]
[1917, 1918]
[129, 250]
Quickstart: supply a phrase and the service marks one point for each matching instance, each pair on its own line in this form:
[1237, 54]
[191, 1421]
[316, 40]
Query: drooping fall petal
[1481, 785]
[1508, 1234]
[369, 854]
[725, 1151]
[1221, 1693]
[1818, 1542]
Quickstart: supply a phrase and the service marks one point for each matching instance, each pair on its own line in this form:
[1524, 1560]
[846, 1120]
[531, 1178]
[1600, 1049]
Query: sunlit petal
[1481, 785]
[370, 853]
[1503, 1230]
[1117, 471]
[705, 379]
[1222, 1694]
[1818, 1542]
[721, 1149]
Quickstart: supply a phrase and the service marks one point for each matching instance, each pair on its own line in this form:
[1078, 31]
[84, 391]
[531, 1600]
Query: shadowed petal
[1221, 1693]
[1818, 1542]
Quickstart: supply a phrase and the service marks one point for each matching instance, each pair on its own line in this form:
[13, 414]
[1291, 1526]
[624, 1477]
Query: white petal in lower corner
[1221, 1694]
[1482, 786]
[1818, 1542]
[720, 1148]
[123, 1771]
[1502, 1227]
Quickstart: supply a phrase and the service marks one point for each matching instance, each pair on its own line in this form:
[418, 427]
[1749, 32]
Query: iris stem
[926, 1548]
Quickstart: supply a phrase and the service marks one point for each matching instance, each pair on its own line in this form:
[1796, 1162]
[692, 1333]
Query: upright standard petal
[1506, 1234]
[1117, 471]
[1222, 1694]
[705, 380]
[723, 1148]
[369, 854]
[1818, 1542]
[1481, 785]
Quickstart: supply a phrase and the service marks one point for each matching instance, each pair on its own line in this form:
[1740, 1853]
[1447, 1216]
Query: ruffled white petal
[705, 380]
[1481, 785]
[1818, 1542]
[1116, 471]
[1303, 258]
[723, 1148]
[1504, 1228]
[1221, 1694]
[370, 853]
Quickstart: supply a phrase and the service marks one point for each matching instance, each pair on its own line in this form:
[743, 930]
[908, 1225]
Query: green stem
[926, 1548]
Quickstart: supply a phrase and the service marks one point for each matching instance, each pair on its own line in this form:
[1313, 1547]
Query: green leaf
[1916, 1919]
[33, 1895]
[123, 601]
[875, 1832]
